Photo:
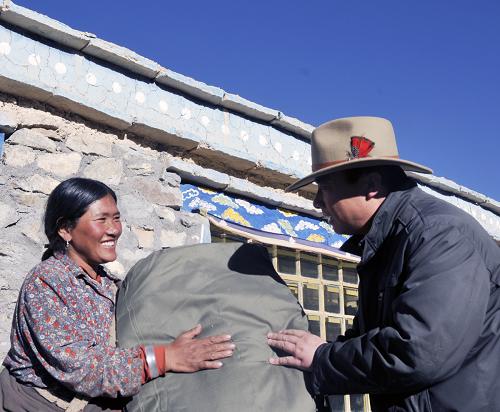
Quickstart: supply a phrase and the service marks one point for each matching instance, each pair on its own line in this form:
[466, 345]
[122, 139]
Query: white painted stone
[117, 87]
[91, 79]
[8, 215]
[60, 164]
[37, 184]
[18, 156]
[225, 130]
[169, 238]
[263, 140]
[5, 48]
[98, 144]
[205, 121]
[186, 113]
[34, 59]
[108, 171]
[163, 105]
[145, 237]
[244, 135]
[33, 139]
[140, 97]
[165, 213]
[116, 269]
[60, 68]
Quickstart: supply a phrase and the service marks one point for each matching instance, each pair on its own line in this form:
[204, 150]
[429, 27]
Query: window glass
[332, 302]
[350, 301]
[286, 261]
[311, 296]
[357, 403]
[349, 274]
[330, 270]
[336, 403]
[314, 327]
[309, 265]
[332, 329]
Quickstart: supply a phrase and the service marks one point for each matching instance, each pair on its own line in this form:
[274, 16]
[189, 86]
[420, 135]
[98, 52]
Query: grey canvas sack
[228, 288]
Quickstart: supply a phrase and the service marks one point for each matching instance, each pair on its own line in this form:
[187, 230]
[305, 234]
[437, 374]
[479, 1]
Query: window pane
[330, 270]
[314, 327]
[332, 329]
[294, 288]
[308, 265]
[332, 303]
[350, 275]
[286, 261]
[356, 403]
[311, 296]
[336, 403]
[350, 301]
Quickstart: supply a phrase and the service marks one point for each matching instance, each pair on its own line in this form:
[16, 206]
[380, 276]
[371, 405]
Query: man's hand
[187, 354]
[301, 346]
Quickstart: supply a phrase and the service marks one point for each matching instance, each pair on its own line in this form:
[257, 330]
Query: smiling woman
[63, 354]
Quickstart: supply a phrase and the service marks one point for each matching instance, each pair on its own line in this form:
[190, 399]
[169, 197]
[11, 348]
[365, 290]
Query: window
[324, 283]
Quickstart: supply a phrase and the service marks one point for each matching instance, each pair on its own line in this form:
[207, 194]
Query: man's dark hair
[66, 204]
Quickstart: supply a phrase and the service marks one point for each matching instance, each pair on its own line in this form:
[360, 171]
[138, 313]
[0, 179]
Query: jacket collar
[77, 271]
[382, 223]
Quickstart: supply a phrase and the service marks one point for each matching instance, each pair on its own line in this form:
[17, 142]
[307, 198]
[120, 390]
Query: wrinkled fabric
[60, 333]
[227, 288]
[427, 333]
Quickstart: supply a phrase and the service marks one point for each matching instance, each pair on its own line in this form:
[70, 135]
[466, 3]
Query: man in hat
[427, 332]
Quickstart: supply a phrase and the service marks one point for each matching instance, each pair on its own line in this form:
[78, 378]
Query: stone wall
[47, 147]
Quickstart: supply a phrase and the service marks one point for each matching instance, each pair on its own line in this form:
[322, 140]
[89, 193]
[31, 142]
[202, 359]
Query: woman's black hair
[66, 204]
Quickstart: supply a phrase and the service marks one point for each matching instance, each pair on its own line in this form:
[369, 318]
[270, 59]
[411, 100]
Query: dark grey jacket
[427, 333]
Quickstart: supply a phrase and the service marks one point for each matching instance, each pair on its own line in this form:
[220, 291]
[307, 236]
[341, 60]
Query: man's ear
[373, 185]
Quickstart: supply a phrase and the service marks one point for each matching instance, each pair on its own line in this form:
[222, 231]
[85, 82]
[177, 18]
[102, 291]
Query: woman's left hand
[188, 354]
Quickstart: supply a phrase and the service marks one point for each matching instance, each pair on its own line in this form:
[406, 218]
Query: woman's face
[93, 239]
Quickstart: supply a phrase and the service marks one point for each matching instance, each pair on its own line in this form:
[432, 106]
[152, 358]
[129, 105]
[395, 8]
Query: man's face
[344, 203]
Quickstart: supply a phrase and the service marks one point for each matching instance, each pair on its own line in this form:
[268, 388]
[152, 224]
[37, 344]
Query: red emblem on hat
[360, 147]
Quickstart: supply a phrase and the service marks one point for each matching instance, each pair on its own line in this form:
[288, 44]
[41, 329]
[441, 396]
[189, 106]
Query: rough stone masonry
[44, 147]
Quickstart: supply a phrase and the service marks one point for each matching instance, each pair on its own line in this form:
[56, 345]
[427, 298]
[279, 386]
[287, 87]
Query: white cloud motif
[272, 228]
[190, 193]
[251, 209]
[337, 244]
[202, 204]
[303, 224]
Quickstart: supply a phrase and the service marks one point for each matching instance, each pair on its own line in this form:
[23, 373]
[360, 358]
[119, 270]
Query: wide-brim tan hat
[354, 142]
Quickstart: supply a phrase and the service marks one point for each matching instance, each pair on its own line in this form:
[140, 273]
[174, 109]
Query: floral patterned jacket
[60, 331]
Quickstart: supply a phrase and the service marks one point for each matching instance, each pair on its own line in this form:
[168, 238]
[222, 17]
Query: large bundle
[228, 288]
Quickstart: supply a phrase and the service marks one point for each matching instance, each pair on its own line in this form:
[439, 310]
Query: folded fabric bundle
[227, 288]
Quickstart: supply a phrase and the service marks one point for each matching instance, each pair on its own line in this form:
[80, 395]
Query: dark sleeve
[437, 318]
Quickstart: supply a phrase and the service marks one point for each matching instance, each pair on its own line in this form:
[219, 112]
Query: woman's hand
[187, 354]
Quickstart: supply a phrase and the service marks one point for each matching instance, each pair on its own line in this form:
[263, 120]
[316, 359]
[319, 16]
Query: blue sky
[431, 67]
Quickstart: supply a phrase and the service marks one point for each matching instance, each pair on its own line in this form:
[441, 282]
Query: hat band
[320, 166]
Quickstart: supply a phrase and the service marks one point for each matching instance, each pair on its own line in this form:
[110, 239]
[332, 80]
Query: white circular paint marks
[5, 48]
[225, 129]
[244, 135]
[186, 113]
[205, 121]
[34, 59]
[163, 105]
[140, 97]
[91, 79]
[278, 146]
[262, 140]
[295, 156]
[60, 68]
[117, 87]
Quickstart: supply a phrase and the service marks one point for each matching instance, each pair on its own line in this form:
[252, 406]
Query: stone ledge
[242, 105]
[190, 86]
[43, 26]
[122, 57]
